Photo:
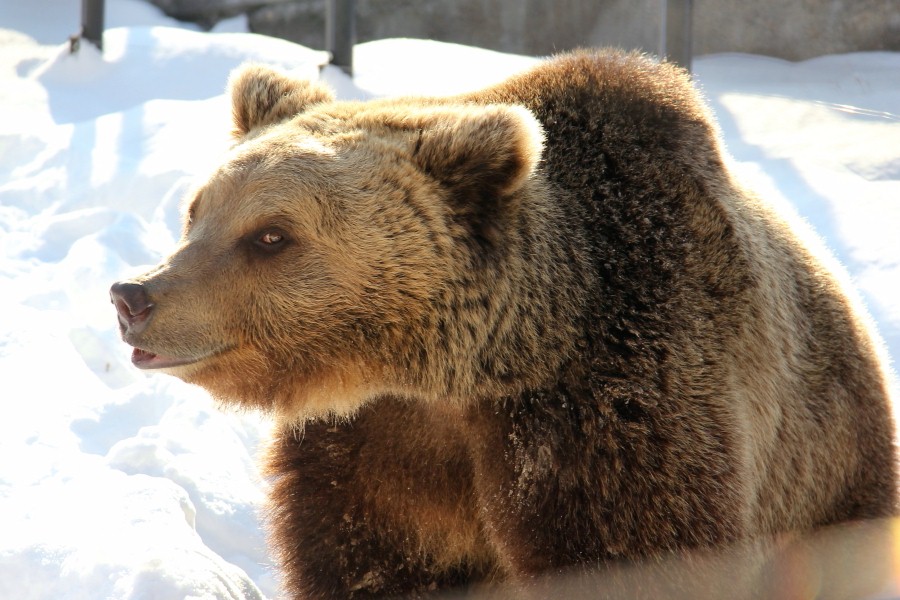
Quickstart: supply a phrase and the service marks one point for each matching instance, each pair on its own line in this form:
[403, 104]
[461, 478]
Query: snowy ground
[118, 485]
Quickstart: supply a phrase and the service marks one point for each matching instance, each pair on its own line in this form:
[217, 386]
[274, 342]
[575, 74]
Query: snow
[114, 484]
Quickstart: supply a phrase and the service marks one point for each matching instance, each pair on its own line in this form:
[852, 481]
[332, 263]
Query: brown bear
[514, 332]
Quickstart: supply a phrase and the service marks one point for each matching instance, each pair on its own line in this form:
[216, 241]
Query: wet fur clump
[515, 332]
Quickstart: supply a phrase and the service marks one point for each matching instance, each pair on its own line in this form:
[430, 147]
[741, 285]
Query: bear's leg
[873, 493]
[563, 483]
[378, 505]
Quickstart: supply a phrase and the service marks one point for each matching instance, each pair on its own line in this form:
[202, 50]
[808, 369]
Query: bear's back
[705, 296]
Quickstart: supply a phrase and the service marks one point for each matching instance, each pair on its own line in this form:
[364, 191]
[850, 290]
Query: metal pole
[92, 22]
[677, 37]
[340, 32]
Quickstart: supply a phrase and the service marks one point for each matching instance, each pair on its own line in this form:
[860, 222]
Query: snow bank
[114, 484]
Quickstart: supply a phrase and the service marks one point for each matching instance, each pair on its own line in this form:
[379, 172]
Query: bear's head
[344, 250]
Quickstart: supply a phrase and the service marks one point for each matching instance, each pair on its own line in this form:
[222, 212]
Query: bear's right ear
[262, 96]
[479, 151]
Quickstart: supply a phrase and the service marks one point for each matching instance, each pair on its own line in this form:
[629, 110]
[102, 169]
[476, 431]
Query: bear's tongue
[143, 359]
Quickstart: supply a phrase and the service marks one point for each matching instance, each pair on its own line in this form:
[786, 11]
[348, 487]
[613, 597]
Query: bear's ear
[480, 152]
[261, 96]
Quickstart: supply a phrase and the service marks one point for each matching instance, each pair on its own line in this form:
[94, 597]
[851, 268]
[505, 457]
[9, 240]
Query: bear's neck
[511, 315]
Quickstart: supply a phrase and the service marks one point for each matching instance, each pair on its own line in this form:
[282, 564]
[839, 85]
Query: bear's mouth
[144, 359]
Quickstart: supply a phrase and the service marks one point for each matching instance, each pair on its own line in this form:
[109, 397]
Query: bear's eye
[270, 240]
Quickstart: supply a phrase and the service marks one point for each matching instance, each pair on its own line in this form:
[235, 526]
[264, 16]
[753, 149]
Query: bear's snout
[133, 305]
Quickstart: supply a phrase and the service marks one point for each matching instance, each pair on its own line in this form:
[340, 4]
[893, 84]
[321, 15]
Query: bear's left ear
[480, 152]
[262, 96]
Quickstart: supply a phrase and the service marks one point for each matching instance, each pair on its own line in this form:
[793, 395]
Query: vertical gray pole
[92, 22]
[677, 37]
[340, 32]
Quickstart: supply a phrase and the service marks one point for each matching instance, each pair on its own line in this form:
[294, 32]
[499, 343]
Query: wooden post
[92, 22]
[677, 37]
[340, 32]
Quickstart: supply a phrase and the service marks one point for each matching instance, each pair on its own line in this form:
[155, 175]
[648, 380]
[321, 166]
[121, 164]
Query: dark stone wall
[793, 30]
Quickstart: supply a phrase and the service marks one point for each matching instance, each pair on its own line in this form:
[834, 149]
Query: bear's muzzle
[133, 306]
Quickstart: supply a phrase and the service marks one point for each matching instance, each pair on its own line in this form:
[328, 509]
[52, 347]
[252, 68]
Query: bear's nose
[132, 304]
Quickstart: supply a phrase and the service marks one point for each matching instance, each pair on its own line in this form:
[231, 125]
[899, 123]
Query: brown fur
[518, 331]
